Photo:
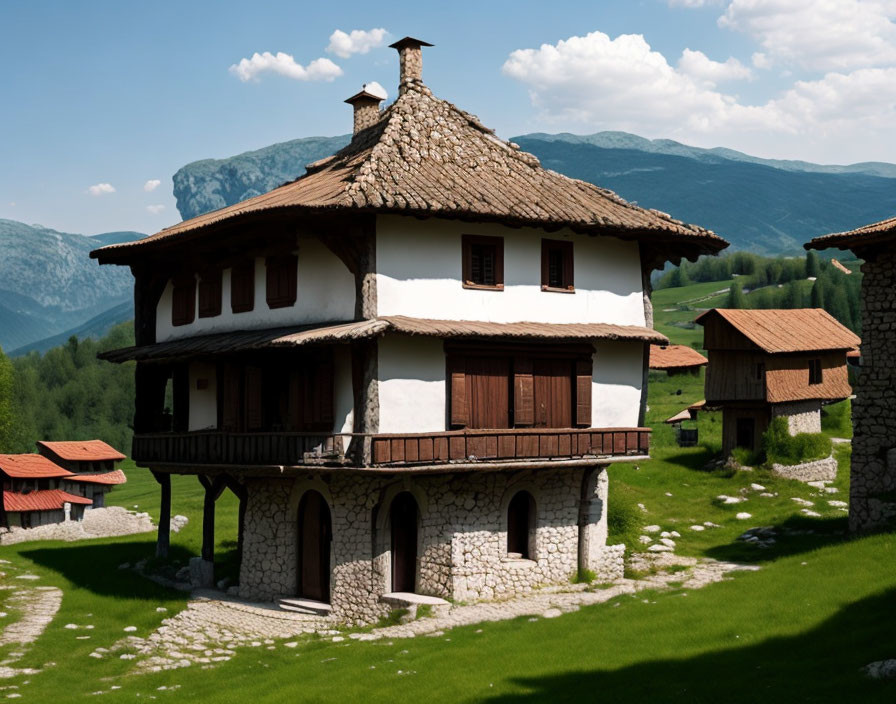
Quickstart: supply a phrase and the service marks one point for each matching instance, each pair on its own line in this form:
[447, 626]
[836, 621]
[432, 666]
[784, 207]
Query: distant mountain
[764, 205]
[210, 184]
[95, 328]
[48, 283]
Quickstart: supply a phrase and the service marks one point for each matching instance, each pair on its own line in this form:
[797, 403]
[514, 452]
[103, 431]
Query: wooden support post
[164, 538]
[243, 495]
[213, 489]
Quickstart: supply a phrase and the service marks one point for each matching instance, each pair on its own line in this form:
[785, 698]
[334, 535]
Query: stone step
[306, 606]
[411, 602]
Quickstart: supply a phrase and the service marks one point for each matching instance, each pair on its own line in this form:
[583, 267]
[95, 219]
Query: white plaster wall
[203, 402]
[412, 384]
[419, 275]
[344, 403]
[326, 293]
[616, 384]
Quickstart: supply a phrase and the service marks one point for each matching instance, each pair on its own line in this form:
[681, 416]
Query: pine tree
[816, 297]
[7, 416]
[736, 298]
[812, 268]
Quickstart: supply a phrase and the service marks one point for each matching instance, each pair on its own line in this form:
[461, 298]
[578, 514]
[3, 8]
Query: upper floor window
[483, 262]
[210, 293]
[183, 300]
[282, 271]
[557, 266]
[814, 371]
[242, 287]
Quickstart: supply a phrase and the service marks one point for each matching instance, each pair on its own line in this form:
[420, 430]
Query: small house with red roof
[676, 359]
[92, 464]
[33, 493]
[769, 363]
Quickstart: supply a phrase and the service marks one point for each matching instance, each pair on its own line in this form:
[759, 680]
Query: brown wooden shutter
[523, 392]
[457, 391]
[242, 287]
[281, 280]
[183, 300]
[583, 392]
[229, 385]
[568, 272]
[210, 294]
[253, 395]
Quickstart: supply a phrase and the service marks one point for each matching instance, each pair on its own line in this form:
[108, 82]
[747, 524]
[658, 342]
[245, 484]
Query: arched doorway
[315, 535]
[521, 524]
[403, 524]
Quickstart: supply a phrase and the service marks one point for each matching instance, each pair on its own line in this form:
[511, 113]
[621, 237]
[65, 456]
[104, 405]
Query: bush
[624, 518]
[783, 448]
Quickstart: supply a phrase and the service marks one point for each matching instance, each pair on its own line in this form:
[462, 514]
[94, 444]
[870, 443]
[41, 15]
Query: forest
[778, 282]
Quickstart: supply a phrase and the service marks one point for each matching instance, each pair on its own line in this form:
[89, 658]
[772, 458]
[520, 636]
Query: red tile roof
[116, 477]
[877, 233]
[675, 357]
[43, 500]
[30, 466]
[82, 450]
[779, 330]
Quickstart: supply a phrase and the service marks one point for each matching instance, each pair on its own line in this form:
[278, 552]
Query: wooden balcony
[509, 444]
[459, 446]
[224, 448]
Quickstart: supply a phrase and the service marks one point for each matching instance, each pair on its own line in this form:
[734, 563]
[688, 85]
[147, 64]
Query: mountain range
[764, 205]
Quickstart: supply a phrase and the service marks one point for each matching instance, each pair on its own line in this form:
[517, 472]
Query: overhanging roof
[298, 336]
[31, 466]
[868, 235]
[82, 450]
[675, 357]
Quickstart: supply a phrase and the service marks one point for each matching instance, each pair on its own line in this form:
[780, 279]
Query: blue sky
[113, 95]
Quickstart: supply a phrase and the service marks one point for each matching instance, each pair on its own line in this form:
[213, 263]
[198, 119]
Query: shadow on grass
[818, 665]
[794, 536]
[95, 566]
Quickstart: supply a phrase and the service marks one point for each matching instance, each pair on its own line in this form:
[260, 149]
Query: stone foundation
[462, 535]
[818, 471]
[802, 416]
[872, 500]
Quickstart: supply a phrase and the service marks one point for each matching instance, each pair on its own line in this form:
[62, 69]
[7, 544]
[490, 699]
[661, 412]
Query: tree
[812, 268]
[736, 297]
[7, 415]
[816, 297]
[792, 296]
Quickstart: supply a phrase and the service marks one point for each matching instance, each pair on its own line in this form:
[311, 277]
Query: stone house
[872, 487]
[769, 363]
[33, 493]
[413, 364]
[92, 463]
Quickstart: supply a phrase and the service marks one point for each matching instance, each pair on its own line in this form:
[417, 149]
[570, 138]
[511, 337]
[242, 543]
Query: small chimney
[367, 109]
[410, 57]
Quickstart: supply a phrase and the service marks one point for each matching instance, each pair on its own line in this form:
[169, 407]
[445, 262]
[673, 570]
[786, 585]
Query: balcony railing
[390, 450]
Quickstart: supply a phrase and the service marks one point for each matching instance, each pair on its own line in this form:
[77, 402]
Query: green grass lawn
[798, 629]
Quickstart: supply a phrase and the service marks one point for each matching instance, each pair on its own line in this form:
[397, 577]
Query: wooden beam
[243, 495]
[163, 540]
[213, 489]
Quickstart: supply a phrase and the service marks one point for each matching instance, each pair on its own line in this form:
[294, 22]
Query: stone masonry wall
[802, 416]
[462, 541]
[872, 490]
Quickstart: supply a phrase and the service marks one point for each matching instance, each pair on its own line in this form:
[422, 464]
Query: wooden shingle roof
[31, 466]
[426, 157]
[867, 235]
[82, 450]
[675, 357]
[780, 330]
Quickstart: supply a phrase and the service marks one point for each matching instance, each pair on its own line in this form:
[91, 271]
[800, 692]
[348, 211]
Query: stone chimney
[367, 109]
[410, 57]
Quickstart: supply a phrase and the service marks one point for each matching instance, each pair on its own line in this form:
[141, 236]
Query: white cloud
[101, 189]
[699, 66]
[760, 60]
[693, 3]
[376, 89]
[155, 209]
[151, 185]
[318, 70]
[823, 35]
[358, 41]
[594, 82]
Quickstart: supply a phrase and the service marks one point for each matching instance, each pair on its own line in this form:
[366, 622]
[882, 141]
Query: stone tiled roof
[424, 156]
[675, 357]
[867, 235]
[780, 330]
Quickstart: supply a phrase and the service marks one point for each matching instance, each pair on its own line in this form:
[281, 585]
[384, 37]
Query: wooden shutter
[210, 294]
[183, 300]
[523, 393]
[253, 403]
[457, 391]
[568, 272]
[583, 392]
[242, 287]
[229, 390]
[281, 280]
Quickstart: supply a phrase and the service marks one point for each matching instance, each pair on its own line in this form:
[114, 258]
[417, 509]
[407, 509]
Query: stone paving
[213, 625]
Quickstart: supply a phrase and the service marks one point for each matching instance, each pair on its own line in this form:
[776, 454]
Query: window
[483, 262]
[281, 280]
[520, 525]
[519, 388]
[242, 287]
[183, 300]
[210, 294]
[557, 266]
[814, 371]
[760, 371]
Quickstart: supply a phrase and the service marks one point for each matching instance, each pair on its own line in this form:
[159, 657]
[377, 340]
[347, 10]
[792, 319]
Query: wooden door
[315, 536]
[403, 523]
[553, 393]
[488, 392]
[746, 433]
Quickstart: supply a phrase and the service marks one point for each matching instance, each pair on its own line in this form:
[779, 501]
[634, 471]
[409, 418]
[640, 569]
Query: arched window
[521, 525]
